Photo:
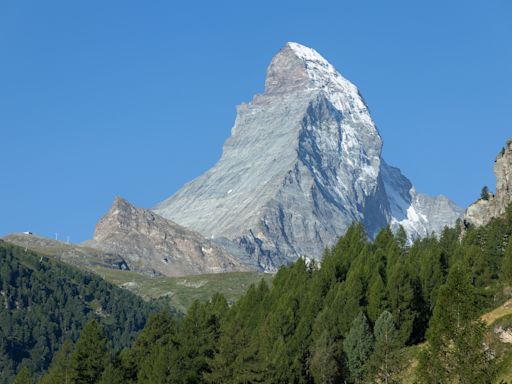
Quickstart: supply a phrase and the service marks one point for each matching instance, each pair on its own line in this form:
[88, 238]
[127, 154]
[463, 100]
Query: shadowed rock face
[482, 211]
[149, 242]
[303, 162]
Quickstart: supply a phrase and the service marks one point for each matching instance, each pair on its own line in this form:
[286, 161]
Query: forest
[44, 302]
[354, 318]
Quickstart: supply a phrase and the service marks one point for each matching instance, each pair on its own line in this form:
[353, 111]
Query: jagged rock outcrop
[303, 162]
[150, 243]
[69, 253]
[483, 210]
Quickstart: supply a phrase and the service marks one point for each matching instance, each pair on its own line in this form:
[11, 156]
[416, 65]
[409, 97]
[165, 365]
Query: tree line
[351, 319]
[44, 302]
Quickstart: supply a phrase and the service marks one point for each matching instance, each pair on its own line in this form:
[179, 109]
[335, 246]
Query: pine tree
[89, 355]
[484, 194]
[358, 346]
[506, 266]
[386, 359]
[23, 377]
[326, 360]
[456, 351]
[60, 370]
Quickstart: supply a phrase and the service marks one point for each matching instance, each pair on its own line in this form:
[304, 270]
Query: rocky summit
[495, 204]
[303, 162]
[151, 244]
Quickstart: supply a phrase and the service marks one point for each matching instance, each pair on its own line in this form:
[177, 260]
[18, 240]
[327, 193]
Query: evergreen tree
[386, 360]
[506, 266]
[484, 194]
[89, 356]
[456, 351]
[358, 347]
[23, 377]
[327, 360]
[60, 370]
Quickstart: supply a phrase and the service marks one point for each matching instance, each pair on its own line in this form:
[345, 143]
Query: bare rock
[148, 241]
[483, 210]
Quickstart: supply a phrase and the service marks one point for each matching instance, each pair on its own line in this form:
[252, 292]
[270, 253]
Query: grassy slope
[182, 291]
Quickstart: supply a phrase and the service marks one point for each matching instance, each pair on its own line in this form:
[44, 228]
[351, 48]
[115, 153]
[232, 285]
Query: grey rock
[303, 162]
[482, 211]
[149, 242]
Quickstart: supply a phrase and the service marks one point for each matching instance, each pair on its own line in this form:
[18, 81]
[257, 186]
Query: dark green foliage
[60, 371]
[89, 355]
[456, 351]
[44, 302]
[315, 324]
[484, 194]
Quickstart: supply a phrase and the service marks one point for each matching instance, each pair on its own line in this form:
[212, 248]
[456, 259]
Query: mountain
[303, 162]
[73, 254]
[495, 205]
[150, 243]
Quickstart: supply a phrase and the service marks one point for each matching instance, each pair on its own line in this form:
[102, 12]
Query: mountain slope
[303, 162]
[150, 243]
[83, 257]
[43, 302]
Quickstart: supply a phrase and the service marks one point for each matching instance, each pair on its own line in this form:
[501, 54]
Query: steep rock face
[149, 242]
[303, 162]
[482, 211]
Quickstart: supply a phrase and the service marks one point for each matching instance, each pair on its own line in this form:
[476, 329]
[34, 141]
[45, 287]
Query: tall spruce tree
[456, 352]
[60, 369]
[89, 356]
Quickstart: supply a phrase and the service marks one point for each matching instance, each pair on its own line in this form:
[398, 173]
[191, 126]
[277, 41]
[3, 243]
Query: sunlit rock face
[483, 210]
[303, 162]
[151, 244]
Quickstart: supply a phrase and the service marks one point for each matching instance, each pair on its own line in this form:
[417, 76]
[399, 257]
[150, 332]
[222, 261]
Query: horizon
[96, 109]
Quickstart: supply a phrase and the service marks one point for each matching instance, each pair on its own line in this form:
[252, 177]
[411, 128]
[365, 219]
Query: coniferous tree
[23, 377]
[506, 266]
[386, 360]
[60, 370]
[89, 356]
[358, 346]
[456, 351]
[327, 360]
[484, 194]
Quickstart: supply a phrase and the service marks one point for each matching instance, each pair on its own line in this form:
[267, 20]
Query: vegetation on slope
[364, 316]
[44, 302]
[183, 291]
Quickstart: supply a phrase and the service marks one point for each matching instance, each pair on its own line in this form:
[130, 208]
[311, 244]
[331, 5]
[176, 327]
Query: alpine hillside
[303, 162]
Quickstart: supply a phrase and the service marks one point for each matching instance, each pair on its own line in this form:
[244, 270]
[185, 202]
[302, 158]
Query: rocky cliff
[483, 210]
[150, 243]
[303, 162]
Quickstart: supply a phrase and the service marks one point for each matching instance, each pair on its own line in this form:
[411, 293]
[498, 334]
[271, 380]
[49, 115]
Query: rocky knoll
[303, 162]
[150, 243]
[484, 209]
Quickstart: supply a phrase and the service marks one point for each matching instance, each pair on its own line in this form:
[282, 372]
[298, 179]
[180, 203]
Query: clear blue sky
[135, 98]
